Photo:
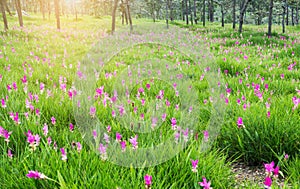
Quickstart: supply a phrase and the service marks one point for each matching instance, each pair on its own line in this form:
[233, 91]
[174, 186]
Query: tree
[2, 6]
[113, 21]
[283, 15]
[195, 12]
[167, 18]
[242, 13]
[186, 12]
[270, 18]
[56, 6]
[19, 11]
[203, 13]
[128, 14]
[233, 13]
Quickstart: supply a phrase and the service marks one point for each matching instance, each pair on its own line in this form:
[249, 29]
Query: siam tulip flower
[186, 134]
[238, 101]
[102, 150]
[123, 145]
[268, 183]
[154, 122]
[15, 86]
[42, 88]
[226, 101]
[133, 141]
[63, 154]
[6, 135]
[177, 107]
[45, 129]
[206, 135]
[276, 171]
[121, 110]
[176, 136]
[3, 104]
[106, 138]
[108, 128]
[168, 103]
[282, 76]
[296, 102]
[118, 137]
[71, 127]
[173, 122]
[9, 153]
[53, 120]
[24, 79]
[36, 175]
[92, 111]
[163, 117]
[148, 181]
[113, 113]
[240, 122]
[205, 184]
[269, 168]
[148, 86]
[16, 118]
[194, 165]
[286, 156]
[33, 140]
[268, 114]
[79, 146]
[8, 88]
[49, 141]
[95, 135]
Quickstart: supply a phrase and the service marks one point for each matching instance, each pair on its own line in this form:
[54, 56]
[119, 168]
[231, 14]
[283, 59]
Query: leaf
[61, 181]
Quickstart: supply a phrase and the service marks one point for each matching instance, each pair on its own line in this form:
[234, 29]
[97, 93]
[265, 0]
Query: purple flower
[173, 122]
[206, 135]
[148, 180]
[63, 154]
[204, 183]
[102, 150]
[71, 126]
[53, 120]
[9, 154]
[276, 171]
[3, 104]
[133, 141]
[123, 145]
[194, 165]
[269, 167]
[240, 122]
[79, 146]
[268, 183]
[45, 129]
[118, 137]
[36, 175]
[92, 111]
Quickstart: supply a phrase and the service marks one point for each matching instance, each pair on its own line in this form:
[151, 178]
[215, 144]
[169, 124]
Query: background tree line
[237, 12]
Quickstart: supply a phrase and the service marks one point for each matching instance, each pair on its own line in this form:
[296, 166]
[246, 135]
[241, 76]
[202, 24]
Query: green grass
[52, 56]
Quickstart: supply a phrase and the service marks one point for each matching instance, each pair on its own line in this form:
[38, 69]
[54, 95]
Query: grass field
[39, 67]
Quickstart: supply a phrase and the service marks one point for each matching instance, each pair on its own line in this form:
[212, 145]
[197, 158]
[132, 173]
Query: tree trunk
[293, 21]
[167, 18]
[171, 10]
[195, 12]
[128, 14]
[270, 18]
[233, 14]
[297, 15]
[49, 10]
[56, 6]
[283, 15]
[203, 16]
[222, 12]
[7, 9]
[113, 21]
[191, 13]
[242, 13]
[186, 12]
[42, 4]
[2, 6]
[183, 12]
[211, 11]
[19, 11]
[287, 13]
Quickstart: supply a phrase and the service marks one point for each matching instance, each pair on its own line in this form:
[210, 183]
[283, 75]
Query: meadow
[42, 145]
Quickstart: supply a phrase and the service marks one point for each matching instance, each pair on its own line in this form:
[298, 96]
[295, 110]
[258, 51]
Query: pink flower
[269, 167]
[276, 171]
[102, 150]
[3, 104]
[79, 146]
[206, 135]
[9, 154]
[63, 154]
[123, 145]
[71, 126]
[53, 120]
[194, 165]
[205, 184]
[133, 141]
[118, 137]
[268, 183]
[173, 122]
[148, 180]
[240, 122]
[92, 111]
[45, 129]
[36, 175]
